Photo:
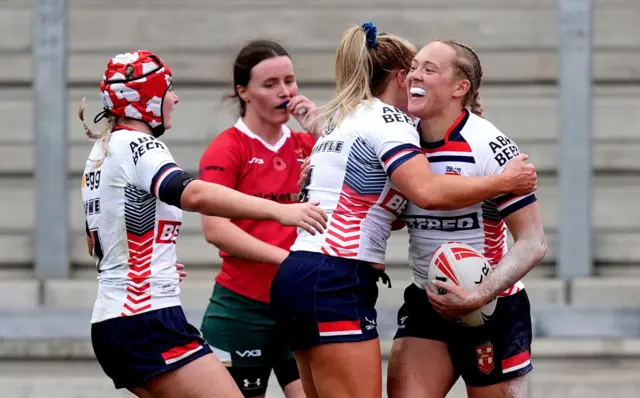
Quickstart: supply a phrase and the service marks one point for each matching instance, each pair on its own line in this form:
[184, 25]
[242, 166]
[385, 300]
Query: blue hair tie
[372, 34]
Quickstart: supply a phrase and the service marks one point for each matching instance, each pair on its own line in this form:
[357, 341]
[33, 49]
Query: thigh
[306, 377]
[204, 377]
[513, 388]
[420, 364]
[347, 370]
[132, 350]
[499, 350]
[419, 368]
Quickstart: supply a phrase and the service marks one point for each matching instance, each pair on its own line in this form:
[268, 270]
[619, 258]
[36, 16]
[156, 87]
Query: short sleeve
[497, 153]
[153, 164]
[394, 139]
[221, 162]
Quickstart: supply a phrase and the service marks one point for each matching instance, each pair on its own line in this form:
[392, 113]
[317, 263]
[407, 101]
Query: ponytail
[353, 70]
[102, 136]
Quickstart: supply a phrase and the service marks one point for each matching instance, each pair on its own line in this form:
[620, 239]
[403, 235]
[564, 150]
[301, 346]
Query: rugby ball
[462, 265]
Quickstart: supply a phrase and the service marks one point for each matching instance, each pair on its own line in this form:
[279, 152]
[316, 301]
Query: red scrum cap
[134, 86]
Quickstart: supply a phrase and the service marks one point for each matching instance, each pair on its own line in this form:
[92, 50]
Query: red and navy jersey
[242, 160]
[472, 147]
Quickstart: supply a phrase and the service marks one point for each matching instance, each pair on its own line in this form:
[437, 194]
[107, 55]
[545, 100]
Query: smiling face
[434, 81]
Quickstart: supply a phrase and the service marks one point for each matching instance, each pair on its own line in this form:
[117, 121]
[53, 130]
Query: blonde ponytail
[353, 71]
[102, 136]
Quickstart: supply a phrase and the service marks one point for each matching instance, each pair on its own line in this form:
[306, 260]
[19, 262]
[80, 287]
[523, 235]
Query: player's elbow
[536, 248]
[193, 197]
[540, 247]
[432, 199]
[213, 229]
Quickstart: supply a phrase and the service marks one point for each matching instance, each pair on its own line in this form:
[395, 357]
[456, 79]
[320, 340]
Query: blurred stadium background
[573, 110]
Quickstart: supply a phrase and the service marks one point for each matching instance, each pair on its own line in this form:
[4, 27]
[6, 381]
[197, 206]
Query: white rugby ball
[462, 265]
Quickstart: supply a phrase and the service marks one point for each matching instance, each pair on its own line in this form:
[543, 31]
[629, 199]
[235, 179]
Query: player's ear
[402, 78]
[242, 93]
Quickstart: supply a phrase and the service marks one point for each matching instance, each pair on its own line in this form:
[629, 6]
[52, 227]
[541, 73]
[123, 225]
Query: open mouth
[283, 105]
[417, 92]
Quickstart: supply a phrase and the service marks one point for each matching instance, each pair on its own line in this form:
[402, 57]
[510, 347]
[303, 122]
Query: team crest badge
[485, 358]
[300, 154]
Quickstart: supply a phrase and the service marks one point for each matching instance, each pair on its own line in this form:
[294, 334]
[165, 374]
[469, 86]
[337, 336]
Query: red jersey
[241, 160]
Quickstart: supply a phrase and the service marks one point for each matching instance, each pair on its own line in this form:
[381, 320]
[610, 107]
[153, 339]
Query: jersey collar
[286, 133]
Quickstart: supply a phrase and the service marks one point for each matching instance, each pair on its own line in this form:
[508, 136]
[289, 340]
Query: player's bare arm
[428, 190]
[529, 248]
[217, 200]
[227, 236]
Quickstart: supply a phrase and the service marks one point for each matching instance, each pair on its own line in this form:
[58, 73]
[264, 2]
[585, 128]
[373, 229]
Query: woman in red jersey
[259, 156]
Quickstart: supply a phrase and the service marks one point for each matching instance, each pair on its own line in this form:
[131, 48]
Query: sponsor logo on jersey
[91, 180]
[329, 146]
[143, 145]
[288, 197]
[92, 206]
[391, 114]
[168, 231]
[394, 202]
[455, 223]
[256, 161]
[503, 150]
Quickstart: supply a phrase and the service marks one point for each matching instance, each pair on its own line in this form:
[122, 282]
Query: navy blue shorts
[319, 299]
[134, 349]
[484, 355]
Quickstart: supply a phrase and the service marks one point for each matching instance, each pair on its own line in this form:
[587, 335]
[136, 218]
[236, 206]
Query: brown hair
[468, 64]
[363, 70]
[251, 55]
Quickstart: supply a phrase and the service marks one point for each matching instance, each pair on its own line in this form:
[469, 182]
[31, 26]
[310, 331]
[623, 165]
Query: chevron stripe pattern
[495, 240]
[140, 214]
[364, 182]
[364, 173]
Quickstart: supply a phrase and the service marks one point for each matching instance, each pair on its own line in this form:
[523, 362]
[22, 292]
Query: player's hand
[304, 173]
[307, 216]
[181, 271]
[304, 111]
[521, 177]
[455, 303]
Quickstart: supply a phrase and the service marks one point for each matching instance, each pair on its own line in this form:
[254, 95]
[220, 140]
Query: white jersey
[134, 232]
[349, 175]
[472, 147]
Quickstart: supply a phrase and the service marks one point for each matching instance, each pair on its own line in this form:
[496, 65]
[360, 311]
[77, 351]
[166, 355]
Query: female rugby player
[363, 169]
[134, 195]
[258, 156]
[430, 350]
